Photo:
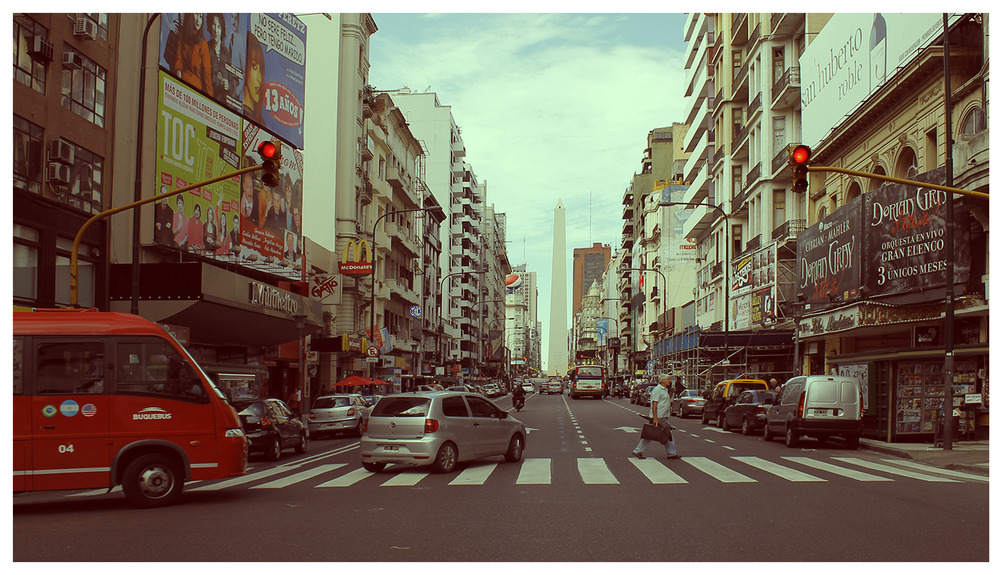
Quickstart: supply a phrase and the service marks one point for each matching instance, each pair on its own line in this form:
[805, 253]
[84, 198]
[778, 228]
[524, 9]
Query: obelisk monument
[558, 342]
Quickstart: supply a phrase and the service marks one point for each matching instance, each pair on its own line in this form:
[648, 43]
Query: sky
[551, 107]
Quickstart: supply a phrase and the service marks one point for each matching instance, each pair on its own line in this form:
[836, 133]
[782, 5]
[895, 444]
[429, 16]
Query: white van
[817, 406]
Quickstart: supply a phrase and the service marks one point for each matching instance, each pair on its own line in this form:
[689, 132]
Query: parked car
[528, 387]
[723, 395]
[371, 400]
[440, 429]
[271, 427]
[554, 386]
[492, 390]
[817, 406]
[643, 392]
[338, 413]
[686, 403]
[748, 413]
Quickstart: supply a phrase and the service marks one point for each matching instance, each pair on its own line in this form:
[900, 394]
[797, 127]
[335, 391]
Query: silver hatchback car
[338, 413]
[439, 429]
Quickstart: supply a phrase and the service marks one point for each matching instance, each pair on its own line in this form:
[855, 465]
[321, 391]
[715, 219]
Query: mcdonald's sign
[356, 266]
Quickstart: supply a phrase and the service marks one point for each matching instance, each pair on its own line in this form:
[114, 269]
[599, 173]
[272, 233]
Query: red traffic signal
[270, 155]
[798, 159]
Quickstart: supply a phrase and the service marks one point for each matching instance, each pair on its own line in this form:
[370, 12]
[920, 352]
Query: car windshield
[401, 407]
[328, 402]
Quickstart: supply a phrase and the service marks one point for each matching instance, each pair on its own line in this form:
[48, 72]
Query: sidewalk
[967, 456]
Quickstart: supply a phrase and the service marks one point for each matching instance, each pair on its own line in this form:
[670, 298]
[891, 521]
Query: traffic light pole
[74, 278]
[981, 195]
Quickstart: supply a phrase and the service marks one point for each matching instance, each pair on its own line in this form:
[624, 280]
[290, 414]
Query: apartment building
[521, 328]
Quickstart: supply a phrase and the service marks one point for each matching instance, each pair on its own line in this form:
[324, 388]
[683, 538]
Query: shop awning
[358, 380]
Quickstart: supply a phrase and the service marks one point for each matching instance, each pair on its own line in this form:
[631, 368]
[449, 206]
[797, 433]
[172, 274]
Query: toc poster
[829, 256]
[196, 141]
[207, 52]
[271, 218]
[254, 64]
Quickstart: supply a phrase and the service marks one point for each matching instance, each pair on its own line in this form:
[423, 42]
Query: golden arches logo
[356, 266]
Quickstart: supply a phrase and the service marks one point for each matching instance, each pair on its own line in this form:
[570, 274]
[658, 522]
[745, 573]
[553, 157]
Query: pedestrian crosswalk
[601, 471]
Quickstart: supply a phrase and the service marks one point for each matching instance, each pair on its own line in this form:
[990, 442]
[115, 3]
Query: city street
[577, 495]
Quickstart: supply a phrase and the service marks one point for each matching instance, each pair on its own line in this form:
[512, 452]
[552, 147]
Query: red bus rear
[104, 399]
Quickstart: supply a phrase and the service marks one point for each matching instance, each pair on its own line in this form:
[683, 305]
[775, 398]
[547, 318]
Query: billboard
[253, 64]
[753, 288]
[829, 255]
[851, 58]
[196, 141]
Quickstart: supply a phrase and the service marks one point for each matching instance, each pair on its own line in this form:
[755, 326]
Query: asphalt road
[577, 496]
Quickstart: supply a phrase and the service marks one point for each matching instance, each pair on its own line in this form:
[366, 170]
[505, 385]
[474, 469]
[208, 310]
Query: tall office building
[589, 265]
[558, 344]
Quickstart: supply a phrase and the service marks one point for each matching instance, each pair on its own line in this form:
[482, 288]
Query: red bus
[587, 380]
[104, 399]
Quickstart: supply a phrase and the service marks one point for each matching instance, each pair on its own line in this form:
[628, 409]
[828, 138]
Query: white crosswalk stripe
[242, 479]
[779, 470]
[836, 469]
[949, 472]
[535, 471]
[405, 479]
[595, 471]
[657, 472]
[299, 477]
[894, 470]
[476, 475]
[718, 471]
[347, 480]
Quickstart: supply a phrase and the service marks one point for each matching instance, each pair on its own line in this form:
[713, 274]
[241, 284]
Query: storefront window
[920, 393]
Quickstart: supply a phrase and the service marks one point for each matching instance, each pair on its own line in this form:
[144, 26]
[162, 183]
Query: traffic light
[270, 155]
[798, 159]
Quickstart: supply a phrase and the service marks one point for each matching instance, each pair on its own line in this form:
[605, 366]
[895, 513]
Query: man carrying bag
[659, 400]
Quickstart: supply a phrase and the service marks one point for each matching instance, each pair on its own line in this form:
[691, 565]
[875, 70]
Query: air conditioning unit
[85, 27]
[57, 173]
[61, 151]
[41, 49]
[72, 60]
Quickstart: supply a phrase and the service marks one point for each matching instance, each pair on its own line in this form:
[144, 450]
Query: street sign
[415, 311]
[372, 351]
[371, 360]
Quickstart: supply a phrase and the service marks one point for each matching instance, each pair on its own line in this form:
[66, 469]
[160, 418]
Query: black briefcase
[655, 433]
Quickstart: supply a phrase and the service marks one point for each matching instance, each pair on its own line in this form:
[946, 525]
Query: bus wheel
[152, 480]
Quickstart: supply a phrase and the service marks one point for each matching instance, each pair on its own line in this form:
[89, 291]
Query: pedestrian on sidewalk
[659, 408]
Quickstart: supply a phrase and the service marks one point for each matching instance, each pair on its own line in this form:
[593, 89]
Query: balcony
[752, 178]
[741, 141]
[397, 177]
[367, 146]
[753, 244]
[783, 23]
[753, 109]
[788, 230]
[739, 31]
[787, 91]
[753, 40]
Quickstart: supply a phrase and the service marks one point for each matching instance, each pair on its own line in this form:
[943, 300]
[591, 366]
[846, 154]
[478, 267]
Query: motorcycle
[518, 403]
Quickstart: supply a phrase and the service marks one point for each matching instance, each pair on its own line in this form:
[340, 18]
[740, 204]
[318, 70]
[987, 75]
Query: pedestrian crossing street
[593, 471]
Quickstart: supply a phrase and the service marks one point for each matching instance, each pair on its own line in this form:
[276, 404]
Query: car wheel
[515, 450]
[373, 467]
[301, 447]
[274, 451]
[152, 480]
[768, 436]
[853, 441]
[791, 438]
[684, 412]
[746, 426]
[723, 422]
[447, 458]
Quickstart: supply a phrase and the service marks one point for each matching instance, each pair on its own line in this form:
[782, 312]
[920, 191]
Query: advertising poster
[905, 237]
[207, 52]
[829, 256]
[197, 140]
[274, 83]
[271, 218]
[754, 271]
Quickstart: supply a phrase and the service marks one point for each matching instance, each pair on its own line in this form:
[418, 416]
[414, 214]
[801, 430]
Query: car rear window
[255, 409]
[401, 407]
[589, 372]
[741, 387]
[328, 402]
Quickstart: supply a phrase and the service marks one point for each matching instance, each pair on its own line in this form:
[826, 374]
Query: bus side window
[70, 367]
[18, 361]
[155, 368]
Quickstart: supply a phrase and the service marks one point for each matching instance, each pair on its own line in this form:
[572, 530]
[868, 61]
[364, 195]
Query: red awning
[358, 380]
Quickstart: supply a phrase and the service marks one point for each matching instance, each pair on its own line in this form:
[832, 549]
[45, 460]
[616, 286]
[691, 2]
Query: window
[28, 155]
[101, 20]
[153, 367]
[974, 121]
[70, 367]
[906, 165]
[85, 190]
[481, 407]
[83, 89]
[454, 407]
[25, 263]
[28, 70]
[18, 364]
[779, 207]
[86, 278]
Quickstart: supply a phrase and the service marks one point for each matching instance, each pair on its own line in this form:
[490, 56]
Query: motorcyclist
[518, 394]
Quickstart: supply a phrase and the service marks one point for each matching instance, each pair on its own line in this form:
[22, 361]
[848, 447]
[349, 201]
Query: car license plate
[390, 448]
[821, 412]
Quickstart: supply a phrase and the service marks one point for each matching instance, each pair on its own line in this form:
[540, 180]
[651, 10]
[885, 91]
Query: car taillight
[312, 415]
[265, 422]
[364, 426]
[861, 403]
[759, 410]
[802, 402]
[351, 412]
[431, 425]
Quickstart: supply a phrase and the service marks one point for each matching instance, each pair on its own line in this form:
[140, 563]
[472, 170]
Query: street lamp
[725, 290]
[375, 260]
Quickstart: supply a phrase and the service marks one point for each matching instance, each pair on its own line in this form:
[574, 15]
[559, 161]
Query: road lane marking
[720, 472]
[657, 472]
[298, 477]
[923, 467]
[779, 470]
[897, 471]
[405, 479]
[595, 472]
[348, 479]
[242, 479]
[474, 475]
[836, 469]
[535, 471]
